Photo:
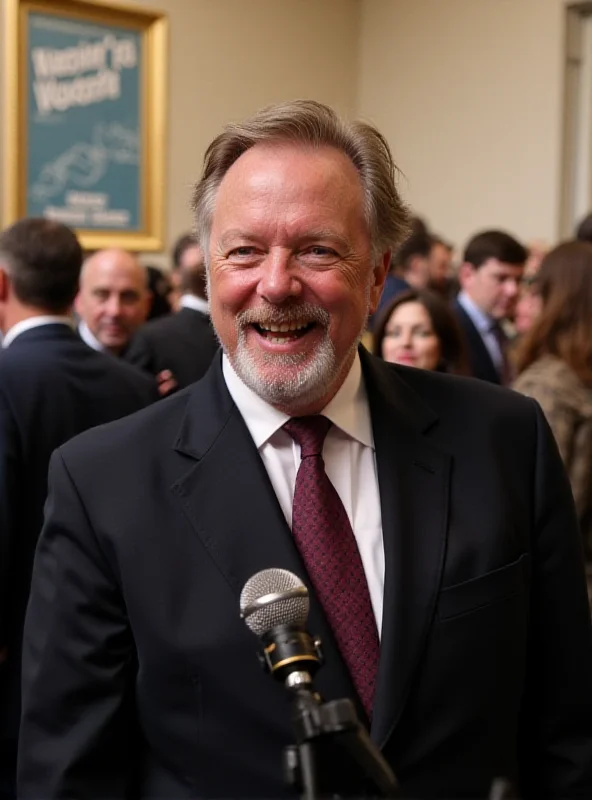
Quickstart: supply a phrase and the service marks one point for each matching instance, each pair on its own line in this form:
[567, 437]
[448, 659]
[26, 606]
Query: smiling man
[462, 638]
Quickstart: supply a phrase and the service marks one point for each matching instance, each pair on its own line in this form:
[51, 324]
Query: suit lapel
[227, 496]
[413, 480]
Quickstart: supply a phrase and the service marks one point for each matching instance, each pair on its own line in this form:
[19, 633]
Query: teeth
[284, 328]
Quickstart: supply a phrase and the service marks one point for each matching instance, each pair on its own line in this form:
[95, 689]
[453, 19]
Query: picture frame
[85, 122]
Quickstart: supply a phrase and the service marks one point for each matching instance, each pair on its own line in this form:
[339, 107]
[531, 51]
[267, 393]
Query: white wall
[230, 57]
[469, 94]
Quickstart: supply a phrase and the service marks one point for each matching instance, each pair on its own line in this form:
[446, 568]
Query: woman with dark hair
[418, 329]
[554, 365]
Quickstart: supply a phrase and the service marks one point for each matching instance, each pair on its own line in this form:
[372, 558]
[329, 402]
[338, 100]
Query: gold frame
[153, 26]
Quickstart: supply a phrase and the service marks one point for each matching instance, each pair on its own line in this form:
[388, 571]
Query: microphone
[333, 755]
[274, 604]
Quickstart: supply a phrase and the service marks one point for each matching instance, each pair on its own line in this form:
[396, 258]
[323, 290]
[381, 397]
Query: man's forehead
[113, 276]
[502, 267]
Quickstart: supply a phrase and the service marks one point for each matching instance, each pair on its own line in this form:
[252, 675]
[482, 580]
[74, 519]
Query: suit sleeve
[79, 662]
[9, 499]
[556, 729]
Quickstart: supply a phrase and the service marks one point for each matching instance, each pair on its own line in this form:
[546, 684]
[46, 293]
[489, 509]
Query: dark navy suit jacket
[52, 386]
[141, 681]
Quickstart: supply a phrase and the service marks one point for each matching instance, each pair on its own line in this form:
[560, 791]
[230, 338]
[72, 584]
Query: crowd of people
[125, 537]
[506, 313]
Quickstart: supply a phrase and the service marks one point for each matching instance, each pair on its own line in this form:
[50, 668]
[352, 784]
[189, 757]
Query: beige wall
[230, 57]
[469, 94]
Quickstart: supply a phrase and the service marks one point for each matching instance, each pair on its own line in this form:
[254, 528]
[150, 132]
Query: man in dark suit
[52, 386]
[463, 637]
[183, 343]
[113, 300]
[493, 266]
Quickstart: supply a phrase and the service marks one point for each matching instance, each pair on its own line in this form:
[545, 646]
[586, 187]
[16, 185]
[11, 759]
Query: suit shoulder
[130, 434]
[463, 395]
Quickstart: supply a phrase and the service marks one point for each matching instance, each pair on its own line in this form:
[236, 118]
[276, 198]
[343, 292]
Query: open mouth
[285, 332]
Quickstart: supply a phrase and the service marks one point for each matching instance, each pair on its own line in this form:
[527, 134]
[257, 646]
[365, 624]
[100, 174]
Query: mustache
[303, 313]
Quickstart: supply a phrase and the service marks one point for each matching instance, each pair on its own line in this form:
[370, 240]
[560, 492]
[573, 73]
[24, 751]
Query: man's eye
[241, 252]
[318, 250]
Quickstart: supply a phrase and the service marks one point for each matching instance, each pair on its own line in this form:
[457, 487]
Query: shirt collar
[348, 410]
[88, 337]
[194, 302]
[35, 322]
[482, 321]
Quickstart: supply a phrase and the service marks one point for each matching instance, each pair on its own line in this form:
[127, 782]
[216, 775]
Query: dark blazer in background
[52, 386]
[155, 523]
[480, 362]
[183, 343]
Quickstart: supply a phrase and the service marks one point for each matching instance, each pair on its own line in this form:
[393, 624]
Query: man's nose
[511, 287]
[277, 281]
[113, 305]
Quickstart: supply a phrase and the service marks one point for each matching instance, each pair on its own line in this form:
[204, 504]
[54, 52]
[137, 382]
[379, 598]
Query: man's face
[493, 286]
[291, 273]
[113, 299]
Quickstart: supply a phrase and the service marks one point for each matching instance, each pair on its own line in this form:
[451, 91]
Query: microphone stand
[334, 756]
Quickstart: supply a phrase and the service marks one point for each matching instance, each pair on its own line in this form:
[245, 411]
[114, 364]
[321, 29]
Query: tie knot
[309, 433]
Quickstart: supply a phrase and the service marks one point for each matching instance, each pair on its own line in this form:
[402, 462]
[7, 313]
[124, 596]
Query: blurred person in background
[160, 288]
[52, 386]
[182, 343]
[440, 266]
[418, 329]
[583, 232]
[113, 300]
[490, 277]
[409, 269]
[186, 258]
[554, 362]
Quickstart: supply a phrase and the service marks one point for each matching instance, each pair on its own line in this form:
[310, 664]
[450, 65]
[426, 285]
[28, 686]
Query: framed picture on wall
[85, 119]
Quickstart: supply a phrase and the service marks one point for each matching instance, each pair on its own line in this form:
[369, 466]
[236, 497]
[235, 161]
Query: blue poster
[84, 123]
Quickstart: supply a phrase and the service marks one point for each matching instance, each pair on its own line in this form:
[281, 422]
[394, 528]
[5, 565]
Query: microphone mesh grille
[289, 611]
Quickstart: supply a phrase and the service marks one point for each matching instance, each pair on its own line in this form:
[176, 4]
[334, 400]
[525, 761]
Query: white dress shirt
[349, 458]
[194, 302]
[485, 325]
[34, 322]
[89, 338]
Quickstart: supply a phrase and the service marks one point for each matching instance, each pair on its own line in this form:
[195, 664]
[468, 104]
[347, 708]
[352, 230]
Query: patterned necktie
[505, 371]
[327, 544]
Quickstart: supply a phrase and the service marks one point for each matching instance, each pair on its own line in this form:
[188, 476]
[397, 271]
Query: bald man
[113, 300]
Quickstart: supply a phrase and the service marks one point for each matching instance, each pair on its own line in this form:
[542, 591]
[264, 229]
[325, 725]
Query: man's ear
[4, 284]
[465, 273]
[381, 269]
[78, 304]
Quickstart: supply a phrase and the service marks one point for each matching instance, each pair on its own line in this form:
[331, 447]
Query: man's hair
[564, 326]
[310, 124]
[584, 229]
[494, 244]
[182, 244]
[43, 259]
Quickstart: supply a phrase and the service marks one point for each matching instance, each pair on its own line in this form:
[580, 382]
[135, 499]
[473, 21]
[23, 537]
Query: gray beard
[310, 376]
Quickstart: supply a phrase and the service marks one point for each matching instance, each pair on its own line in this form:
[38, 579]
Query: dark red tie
[327, 544]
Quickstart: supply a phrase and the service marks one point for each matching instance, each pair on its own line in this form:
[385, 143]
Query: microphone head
[273, 597]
